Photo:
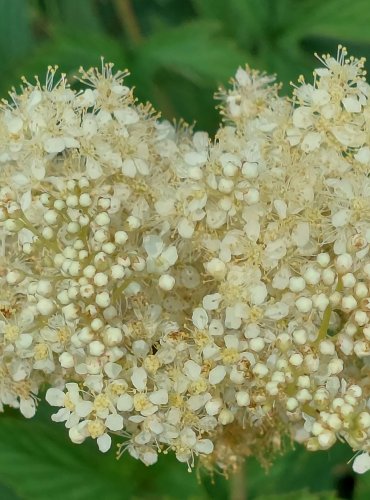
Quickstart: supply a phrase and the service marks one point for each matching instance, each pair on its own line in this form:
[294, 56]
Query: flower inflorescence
[202, 297]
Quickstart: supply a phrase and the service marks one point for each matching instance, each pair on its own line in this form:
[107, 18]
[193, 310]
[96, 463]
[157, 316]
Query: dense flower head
[203, 297]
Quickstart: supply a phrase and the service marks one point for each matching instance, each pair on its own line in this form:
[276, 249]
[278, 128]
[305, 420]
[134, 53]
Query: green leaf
[196, 53]
[78, 16]
[299, 469]
[7, 494]
[38, 462]
[300, 495]
[15, 33]
[344, 20]
[246, 20]
[69, 51]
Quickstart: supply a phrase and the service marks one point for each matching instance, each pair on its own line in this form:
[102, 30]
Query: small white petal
[125, 402]
[159, 397]
[84, 408]
[104, 442]
[55, 397]
[212, 301]
[361, 463]
[27, 407]
[139, 378]
[200, 318]
[114, 422]
[217, 374]
[192, 369]
[204, 446]
[54, 145]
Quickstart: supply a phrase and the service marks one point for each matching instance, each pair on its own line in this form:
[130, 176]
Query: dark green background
[179, 53]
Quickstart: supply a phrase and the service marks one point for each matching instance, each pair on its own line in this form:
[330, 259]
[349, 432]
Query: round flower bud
[72, 201]
[96, 324]
[304, 304]
[327, 348]
[366, 270]
[133, 222]
[59, 205]
[335, 299]
[343, 263]
[250, 170]
[292, 404]
[312, 276]
[225, 185]
[349, 303]
[117, 271]
[73, 227]
[109, 248]
[85, 200]
[297, 284]
[335, 366]
[321, 301]
[257, 344]
[323, 259]
[166, 282]
[361, 290]
[51, 217]
[45, 307]
[44, 288]
[120, 237]
[348, 280]
[252, 196]
[47, 233]
[100, 279]
[363, 420]
[102, 219]
[296, 359]
[14, 277]
[361, 318]
[334, 422]
[104, 203]
[112, 336]
[225, 417]
[242, 398]
[96, 348]
[328, 276]
[216, 268]
[326, 439]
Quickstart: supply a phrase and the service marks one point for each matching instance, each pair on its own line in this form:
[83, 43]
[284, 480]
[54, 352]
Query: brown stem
[129, 20]
[238, 484]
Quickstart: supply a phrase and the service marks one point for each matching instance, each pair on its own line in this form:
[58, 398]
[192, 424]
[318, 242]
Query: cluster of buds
[188, 295]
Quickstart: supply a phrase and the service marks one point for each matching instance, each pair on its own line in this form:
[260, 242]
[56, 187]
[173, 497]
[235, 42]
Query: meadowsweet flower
[186, 295]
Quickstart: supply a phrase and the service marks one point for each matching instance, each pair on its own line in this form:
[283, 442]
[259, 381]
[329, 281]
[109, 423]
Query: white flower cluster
[202, 297]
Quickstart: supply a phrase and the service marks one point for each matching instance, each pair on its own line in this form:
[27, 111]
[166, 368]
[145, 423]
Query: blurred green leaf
[298, 469]
[51, 467]
[197, 53]
[7, 494]
[300, 495]
[244, 20]
[38, 462]
[345, 20]
[78, 15]
[69, 51]
[15, 33]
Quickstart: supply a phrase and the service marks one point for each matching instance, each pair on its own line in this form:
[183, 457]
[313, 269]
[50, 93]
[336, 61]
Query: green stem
[327, 314]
